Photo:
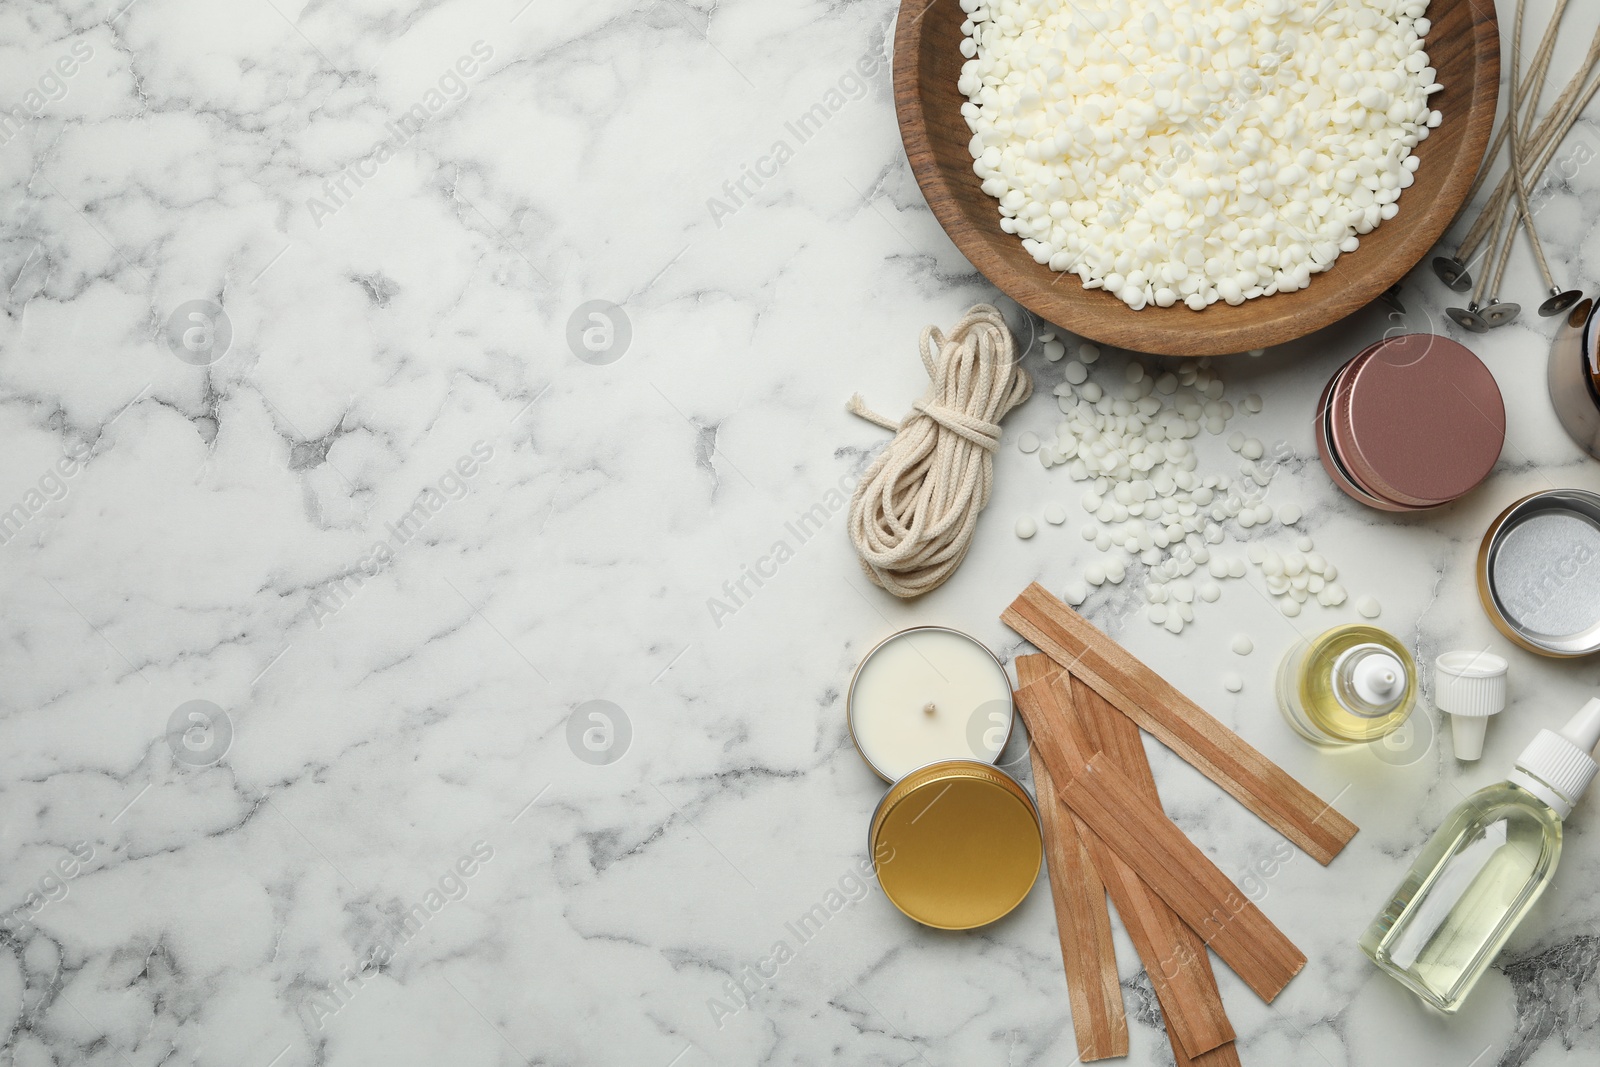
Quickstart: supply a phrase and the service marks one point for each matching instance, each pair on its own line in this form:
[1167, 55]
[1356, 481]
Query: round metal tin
[1539, 573]
[1574, 377]
[1418, 420]
[1330, 458]
[956, 844]
[974, 751]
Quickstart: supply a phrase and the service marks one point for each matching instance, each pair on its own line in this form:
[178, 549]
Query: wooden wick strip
[1179, 723]
[1114, 812]
[1146, 840]
[1174, 958]
[1184, 966]
[1094, 992]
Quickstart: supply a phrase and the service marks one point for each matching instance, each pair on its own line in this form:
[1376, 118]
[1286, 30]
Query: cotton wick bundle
[913, 515]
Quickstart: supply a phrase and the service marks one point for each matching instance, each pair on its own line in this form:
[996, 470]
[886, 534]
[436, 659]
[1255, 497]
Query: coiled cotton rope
[913, 514]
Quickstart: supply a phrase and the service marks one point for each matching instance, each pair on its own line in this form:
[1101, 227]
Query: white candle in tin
[925, 695]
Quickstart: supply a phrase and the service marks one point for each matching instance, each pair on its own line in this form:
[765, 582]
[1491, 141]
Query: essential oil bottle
[1479, 874]
[1349, 685]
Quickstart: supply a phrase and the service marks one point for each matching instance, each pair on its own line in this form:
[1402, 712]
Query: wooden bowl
[1464, 46]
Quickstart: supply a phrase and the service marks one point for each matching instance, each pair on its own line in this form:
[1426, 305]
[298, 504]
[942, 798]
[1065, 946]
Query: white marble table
[395, 536]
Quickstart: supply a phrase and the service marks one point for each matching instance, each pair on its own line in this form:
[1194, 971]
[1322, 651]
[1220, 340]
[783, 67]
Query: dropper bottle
[1476, 878]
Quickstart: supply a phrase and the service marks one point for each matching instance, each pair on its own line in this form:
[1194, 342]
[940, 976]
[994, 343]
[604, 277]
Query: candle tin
[1574, 376]
[1411, 423]
[1539, 573]
[975, 728]
[956, 844]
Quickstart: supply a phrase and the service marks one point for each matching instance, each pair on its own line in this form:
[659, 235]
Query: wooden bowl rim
[1100, 317]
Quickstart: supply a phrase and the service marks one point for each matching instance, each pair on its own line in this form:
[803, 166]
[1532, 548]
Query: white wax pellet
[1026, 527]
[1304, 543]
[1236, 567]
[1175, 623]
[1054, 350]
[1094, 574]
[1156, 613]
[1055, 514]
[1102, 541]
[1076, 373]
[1209, 592]
[1075, 593]
[1242, 645]
[1134, 373]
[1368, 607]
[1252, 449]
[1028, 441]
[1236, 440]
[1232, 682]
[1290, 608]
[1183, 591]
[1289, 514]
[1088, 353]
[1091, 391]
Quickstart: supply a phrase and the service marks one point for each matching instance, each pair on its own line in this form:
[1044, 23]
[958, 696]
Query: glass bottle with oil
[1476, 878]
[1350, 685]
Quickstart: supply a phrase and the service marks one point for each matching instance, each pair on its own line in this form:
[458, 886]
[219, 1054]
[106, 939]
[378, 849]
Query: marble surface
[309, 603]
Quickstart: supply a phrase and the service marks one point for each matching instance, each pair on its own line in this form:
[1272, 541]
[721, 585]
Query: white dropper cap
[1558, 767]
[1469, 686]
[1378, 678]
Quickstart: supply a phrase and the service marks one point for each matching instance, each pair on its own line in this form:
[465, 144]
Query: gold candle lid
[956, 844]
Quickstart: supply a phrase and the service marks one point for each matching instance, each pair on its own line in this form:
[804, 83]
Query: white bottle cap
[1378, 678]
[1558, 767]
[1470, 686]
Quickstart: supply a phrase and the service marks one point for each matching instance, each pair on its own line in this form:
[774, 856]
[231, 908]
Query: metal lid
[956, 844]
[1539, 572]
[1330, 458]
[1418, 420]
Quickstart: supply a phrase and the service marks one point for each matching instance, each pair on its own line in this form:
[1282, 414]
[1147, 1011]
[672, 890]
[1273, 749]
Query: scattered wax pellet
[1054, 350]
[1290, 607]
[1076, 372]
[1026, 527]
[1210, 592]
[1055, 514]
[1368, 607]
[1304, 543]
[1087, 353]
[1242, 645]
[1095, 574]
[1075, 593]
[1236, 440]
[1028, 441]
[1252, 403]
[1232, 682]
[1156, 613]
[1289, 514]
[1252, 449]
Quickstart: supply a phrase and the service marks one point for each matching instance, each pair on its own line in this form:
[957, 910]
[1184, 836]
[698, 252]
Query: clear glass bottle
[1476, 878]
[1349, 685]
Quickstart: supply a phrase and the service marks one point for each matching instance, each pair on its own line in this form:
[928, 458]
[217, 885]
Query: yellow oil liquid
[1469, 887]
[1314, 692]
